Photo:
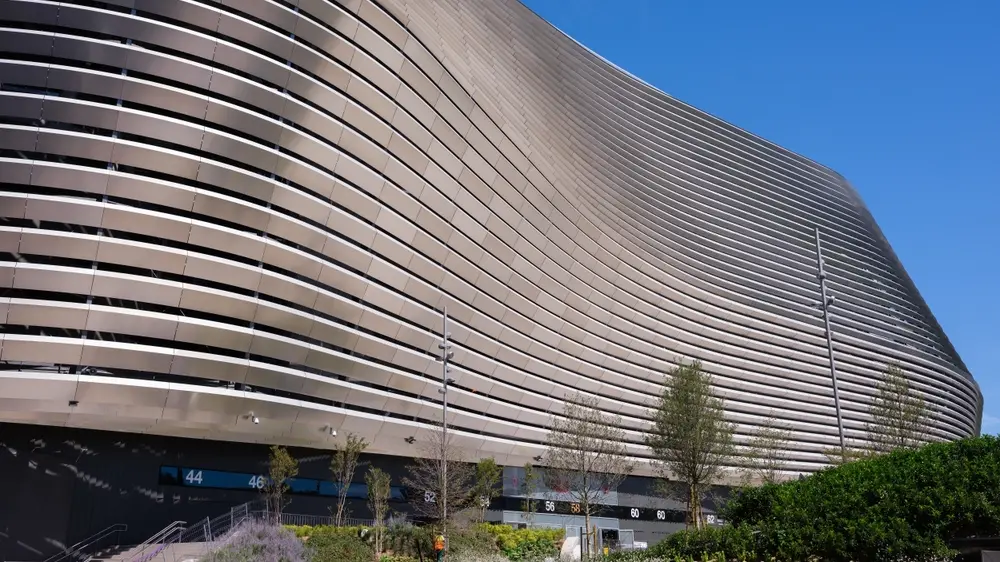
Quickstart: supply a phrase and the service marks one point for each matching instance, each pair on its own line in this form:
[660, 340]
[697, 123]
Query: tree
[586, 458]
[426, 475]
[690, 436]
[378, 502]
[528, 487]
[898, 414]
[765, 452]
[343, 463]
[488, 475]
[855, 452]
[281, 468]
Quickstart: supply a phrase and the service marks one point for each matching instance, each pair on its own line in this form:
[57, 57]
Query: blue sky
[900, 96]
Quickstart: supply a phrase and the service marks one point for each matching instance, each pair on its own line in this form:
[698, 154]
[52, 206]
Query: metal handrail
[89, 541]
[171, 528]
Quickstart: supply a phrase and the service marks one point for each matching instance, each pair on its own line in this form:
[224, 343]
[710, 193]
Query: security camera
[254, 419]
[333, 432]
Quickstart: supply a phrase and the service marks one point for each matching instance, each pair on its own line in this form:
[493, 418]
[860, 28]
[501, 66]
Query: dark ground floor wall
[61, 485]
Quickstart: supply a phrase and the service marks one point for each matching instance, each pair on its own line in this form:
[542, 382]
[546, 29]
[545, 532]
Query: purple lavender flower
[259, 541]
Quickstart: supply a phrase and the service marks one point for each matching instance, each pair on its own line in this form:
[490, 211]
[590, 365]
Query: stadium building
[234, 224]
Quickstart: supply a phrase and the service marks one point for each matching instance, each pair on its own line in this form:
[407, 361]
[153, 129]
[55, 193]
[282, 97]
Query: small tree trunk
[694, 506]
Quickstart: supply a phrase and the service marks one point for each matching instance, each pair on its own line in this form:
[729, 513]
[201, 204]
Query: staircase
[98, 542]
[175, 552]
[107, 553]
[179, 541]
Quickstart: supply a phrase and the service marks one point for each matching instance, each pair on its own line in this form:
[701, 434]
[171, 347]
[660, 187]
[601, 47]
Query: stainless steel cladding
[241, 221]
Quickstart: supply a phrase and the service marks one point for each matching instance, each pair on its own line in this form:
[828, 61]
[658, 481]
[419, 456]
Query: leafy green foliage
[306, 531]
[397, 558]
[525, 544]
[281, 467]
[407, 543]
[485, 489]
[651, 556]
[338, 546]
[898, 413]
[690, 438]
[725, 543]
[474, 541]
[908, 504]
[343, 463]
[409, 540]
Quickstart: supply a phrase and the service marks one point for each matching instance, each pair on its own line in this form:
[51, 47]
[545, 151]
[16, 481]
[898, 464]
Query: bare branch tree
[426, 477]
[690, 436]
[378, 502]
[586, 458]
[343, 464]
[485, 490]
[281, 468]
[765, 452]
[898, 413]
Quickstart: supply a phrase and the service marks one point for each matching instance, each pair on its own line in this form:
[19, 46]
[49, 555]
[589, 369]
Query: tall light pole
[446, 355]
[825, 305]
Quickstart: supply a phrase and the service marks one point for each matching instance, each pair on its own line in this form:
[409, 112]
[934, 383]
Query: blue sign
[193, 477]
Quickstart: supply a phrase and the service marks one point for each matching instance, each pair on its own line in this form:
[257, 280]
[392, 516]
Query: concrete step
[177, 552]
[108, 553]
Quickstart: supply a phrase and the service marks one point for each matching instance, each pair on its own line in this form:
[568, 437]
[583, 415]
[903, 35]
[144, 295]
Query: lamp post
[446, 355]
[824, 305]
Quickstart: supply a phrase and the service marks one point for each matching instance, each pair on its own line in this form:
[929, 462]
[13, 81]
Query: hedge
[408, 541]
[906, 505]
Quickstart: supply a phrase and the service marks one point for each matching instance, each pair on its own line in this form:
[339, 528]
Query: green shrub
[408, 540]
[474, 541]
[397, 558]
[906, 505]
[630, 556]
[307, 531]
[525, 544]
[338, 547]
[738, 542]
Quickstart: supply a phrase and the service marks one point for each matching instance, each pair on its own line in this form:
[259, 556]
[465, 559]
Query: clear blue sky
[900, 96]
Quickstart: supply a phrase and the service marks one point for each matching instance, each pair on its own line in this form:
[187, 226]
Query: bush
[732, 542]
[257, 541]
[475, 541]
[397, 558]
[906, 505]
[525, 544]
[408, 540]
[306, 531]
[630, 556]
[495, 557]
[339, 547]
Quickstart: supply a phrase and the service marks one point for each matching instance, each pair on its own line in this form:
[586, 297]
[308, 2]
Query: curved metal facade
[216, 208]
